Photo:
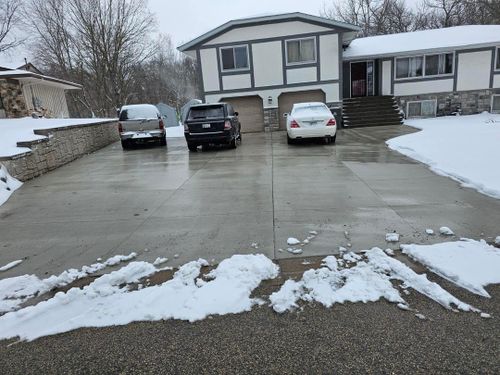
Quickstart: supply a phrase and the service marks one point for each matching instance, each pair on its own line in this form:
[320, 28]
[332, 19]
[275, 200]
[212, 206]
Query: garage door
[251, 112]
[288, 99]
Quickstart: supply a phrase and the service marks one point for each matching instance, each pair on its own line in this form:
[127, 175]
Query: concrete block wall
[271, 118]
[62, 145]
[470, 102]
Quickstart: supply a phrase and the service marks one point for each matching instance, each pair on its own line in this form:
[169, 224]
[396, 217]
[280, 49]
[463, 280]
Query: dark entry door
[362, 79]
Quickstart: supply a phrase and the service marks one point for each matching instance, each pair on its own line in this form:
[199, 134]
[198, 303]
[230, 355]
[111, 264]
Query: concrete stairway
[370, 111]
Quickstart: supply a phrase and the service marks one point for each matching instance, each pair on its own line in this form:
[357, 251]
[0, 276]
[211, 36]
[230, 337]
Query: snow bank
[18, 130]
[460, 147]
[16, 290]
[367, 281]
[469, 264]
[8, 184]
[227, 290]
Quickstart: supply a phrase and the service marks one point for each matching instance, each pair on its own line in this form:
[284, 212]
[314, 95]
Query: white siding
[331, 91]
[267, 64]
[423, 87]
[239, 81]
[496, 81]
[386, 77]
[52, 99]
[267, 31]
[209, 69]
[329, 56]
[301, 75]
[474, 70]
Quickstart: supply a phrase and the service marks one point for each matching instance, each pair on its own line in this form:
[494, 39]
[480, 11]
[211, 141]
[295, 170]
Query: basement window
[497, 65]
[495, 104]
[421, 109]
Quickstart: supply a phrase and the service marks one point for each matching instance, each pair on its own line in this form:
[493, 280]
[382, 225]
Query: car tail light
[186, 128]
[120, 127]
[227, 125]
[294, 124]
[331, 122]
[162, 125]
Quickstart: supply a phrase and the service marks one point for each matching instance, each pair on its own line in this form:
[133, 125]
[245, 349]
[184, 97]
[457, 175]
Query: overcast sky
[187, 19]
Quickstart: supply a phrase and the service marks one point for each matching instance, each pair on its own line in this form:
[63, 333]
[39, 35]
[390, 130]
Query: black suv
[212, 124]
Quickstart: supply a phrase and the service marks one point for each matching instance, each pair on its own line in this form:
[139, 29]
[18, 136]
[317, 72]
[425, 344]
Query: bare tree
[99, 43]
[10, 18]
[376, 17]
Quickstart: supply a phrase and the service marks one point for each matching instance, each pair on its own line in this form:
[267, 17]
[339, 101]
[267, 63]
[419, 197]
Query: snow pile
[445, 231]
[10, 265]
[21, 130]
[367, 281]
[227, 290]
[8, 184]
[292, 241]
[16, 290]
[392, 237]
[175, 131]
[497, 240]
[460, 147]
[469, 264]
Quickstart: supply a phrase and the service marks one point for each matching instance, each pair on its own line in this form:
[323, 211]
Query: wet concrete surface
[167, 201]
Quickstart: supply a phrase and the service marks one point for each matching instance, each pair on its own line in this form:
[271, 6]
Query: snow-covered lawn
[19, 130]
[194, 295]
[465, 148]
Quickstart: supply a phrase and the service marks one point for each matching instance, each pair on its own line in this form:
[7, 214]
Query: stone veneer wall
[469, 102]
[62, 145]
[13, 99]
[271, 118]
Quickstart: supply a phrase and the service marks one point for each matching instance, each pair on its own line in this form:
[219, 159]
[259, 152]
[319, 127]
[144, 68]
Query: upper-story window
[497, 64]
[424, 66]
[234, 58]
[301, 51]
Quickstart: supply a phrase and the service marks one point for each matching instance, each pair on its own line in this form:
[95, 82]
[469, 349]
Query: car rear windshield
[313, 109]
[139, 112]
[206, 112]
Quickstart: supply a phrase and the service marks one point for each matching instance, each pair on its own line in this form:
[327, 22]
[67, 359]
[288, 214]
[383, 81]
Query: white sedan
[311, 120]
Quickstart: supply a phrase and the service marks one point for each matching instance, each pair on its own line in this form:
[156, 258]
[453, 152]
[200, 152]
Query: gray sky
[184, 20]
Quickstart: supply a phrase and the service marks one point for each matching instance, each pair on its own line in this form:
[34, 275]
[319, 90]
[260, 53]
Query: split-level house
[263, 65]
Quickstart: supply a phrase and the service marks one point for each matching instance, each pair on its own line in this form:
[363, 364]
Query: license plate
[205, 126]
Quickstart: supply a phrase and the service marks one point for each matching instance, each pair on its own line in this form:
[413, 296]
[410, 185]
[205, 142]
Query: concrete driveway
[167, 202]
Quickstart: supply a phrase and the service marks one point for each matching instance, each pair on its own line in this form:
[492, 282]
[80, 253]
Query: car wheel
[239, 138]
[289, 140]
[192, 147]
[125, 145]
[333, 139]
[327, 140]
[163, 141]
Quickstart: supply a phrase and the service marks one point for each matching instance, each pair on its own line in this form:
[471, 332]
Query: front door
[362, 79]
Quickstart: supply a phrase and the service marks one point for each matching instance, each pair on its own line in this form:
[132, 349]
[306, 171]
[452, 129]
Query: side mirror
[236, 114]
[285, 115]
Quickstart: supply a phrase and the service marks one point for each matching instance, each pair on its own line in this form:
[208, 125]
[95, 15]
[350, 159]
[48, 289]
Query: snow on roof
[25, 74]
[426, 40]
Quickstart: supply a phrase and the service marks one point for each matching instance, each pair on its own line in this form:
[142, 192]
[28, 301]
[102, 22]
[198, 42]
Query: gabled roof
[260, 20]
[450, 38]
[24, 75]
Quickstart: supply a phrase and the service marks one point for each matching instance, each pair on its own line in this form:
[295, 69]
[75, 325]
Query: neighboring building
[263, 65]
[23, 92]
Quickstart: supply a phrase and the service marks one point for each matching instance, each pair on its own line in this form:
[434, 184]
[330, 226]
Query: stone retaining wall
[468, 102]
[62, 145]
